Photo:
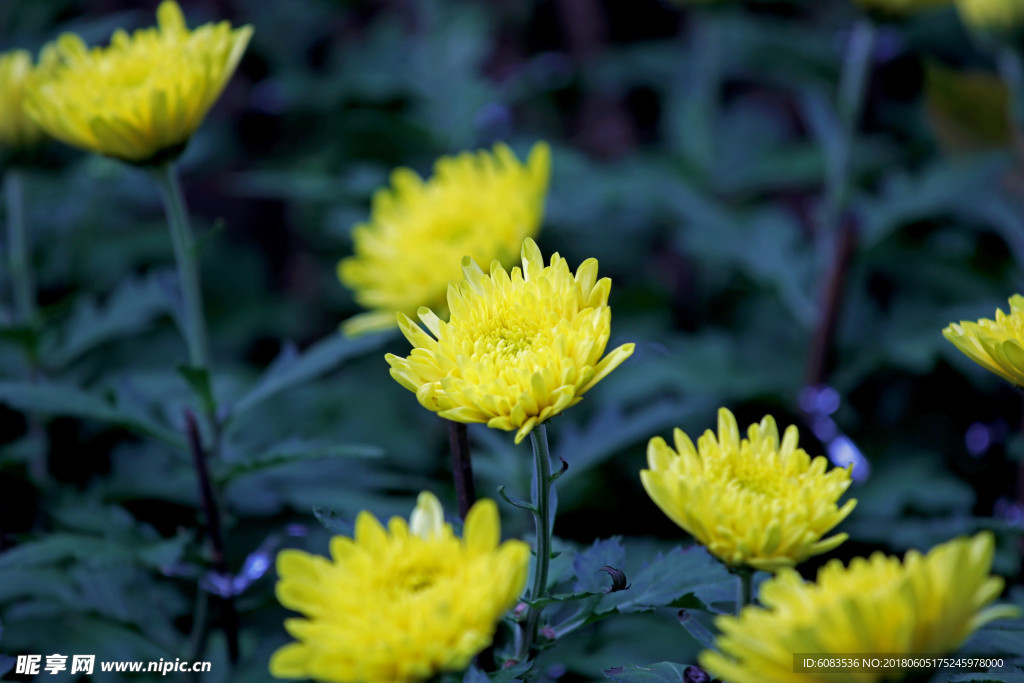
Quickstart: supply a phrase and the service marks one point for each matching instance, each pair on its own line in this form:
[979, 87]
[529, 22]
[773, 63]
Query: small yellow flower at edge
[481, 204]
[519, 349]
[992, 15]
[17, 130]
[880, 605]
[142, 97]
[752, 502]
[901, 7]
[402, 603]
[996, 345]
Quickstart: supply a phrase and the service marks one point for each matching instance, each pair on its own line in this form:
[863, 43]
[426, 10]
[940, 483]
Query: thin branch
[462, 467]
[831, 302]
[229, 615]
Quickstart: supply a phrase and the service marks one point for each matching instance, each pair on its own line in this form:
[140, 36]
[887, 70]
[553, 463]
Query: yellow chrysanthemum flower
[17, 130]
[141, 98]
[519, 348]
[996, 345]
[992, 15]
[482, 205]
[751, 502]
[925, 604]
[400, 604]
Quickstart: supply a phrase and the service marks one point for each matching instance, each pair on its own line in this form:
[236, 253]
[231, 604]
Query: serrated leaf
[82, 633]
[662, 672]
[56, 399]
[58, 547]
[35, 582]
[934, 191]
[1001, 637]
[587, 565]
[291, 369]
[296, 450]
[334, 522]
[682, 578]
[129, 309]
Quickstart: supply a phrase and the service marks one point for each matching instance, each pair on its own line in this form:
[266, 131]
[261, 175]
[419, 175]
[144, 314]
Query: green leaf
[1001, 637]
[199, 380]
[18, 583]
[295, 450]
[587, 565]
[475, 675]
[58, 547]
[512, 673]
[129, 309]
[22, 336]
[84, 633]
[334, 521]
[666, 672]
[56, 399]
[291, 369]
[935, 191]
[682, 578]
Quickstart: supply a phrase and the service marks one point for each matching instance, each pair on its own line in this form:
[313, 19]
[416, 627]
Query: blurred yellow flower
[519, 348]
[480, 205]
[752, 502]
[903, 6]
[996, 345]
[17, 129]
[400, 604]
[992, 15]
[141, 98]
[925, 604]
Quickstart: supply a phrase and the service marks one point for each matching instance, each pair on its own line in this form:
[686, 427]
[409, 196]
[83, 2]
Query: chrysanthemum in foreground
[520, 348]
[996, 345]
[141, 98]
[925, 604]
[482, 205]
[17, 130]
[402, 603]
[753, 502]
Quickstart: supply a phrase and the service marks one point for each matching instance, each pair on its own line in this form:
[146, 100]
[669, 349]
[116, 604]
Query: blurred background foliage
[698, 153]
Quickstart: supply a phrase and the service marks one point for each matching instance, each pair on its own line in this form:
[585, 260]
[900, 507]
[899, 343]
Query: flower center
[507, 339]
[757, 485]
[412, 580]
[758, 478]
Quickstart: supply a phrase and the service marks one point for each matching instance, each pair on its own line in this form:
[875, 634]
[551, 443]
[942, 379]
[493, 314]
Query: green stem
[853, 82]
[197, 638]
[19, 261]
[541, 499]
[1011, 70]
[185, 255]
[706, 40]
[745, 589]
